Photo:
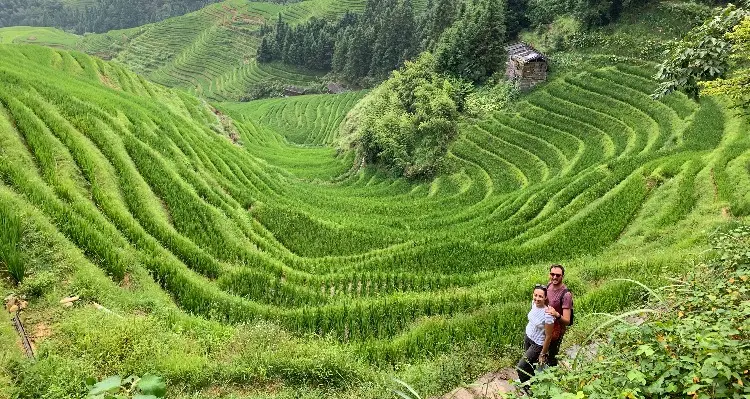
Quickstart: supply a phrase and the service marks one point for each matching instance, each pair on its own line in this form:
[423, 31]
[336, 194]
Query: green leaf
[637, 376]
[139, 396]
[693, 389]
[411, 390]
[645, 350]
[109, 385]
[152, 385]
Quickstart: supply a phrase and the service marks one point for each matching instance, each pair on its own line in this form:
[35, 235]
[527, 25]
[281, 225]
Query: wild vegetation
[408, 122]
[232, 249]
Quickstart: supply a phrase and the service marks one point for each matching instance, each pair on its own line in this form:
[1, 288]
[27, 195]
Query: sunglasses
[555, 275]
[540, 286]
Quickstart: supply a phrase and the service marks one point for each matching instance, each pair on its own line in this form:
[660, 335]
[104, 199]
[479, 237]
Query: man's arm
[565, 317]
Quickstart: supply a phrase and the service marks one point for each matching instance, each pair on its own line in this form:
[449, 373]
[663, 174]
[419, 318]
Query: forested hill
[83, 16]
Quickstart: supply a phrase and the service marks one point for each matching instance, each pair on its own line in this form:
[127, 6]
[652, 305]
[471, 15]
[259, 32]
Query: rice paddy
[247, 213]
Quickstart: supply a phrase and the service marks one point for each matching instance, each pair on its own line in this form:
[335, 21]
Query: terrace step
[491, 386]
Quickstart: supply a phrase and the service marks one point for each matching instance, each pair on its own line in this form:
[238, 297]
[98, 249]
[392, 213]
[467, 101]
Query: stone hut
[526, 65]
[335, 88]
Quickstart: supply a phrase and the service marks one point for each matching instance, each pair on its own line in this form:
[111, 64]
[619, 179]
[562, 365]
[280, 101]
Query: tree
[473, 48]
[408, 122]
[737, 85]
[440, 17]
[265, 51]
[703, 55]
[516, 17]
[394, 42]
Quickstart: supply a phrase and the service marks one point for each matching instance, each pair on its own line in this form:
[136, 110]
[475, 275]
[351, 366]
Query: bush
[558, 35]
[490, 98]
[407, 123]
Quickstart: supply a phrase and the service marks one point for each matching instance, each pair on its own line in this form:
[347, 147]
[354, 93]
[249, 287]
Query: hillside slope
[188, 211]
[211, 52]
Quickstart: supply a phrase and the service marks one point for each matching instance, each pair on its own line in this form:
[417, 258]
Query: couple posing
[551, 312]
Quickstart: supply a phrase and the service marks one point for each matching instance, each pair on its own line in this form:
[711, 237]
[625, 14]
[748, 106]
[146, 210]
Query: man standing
[560, 307]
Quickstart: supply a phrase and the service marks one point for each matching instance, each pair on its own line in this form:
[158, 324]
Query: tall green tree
[395, 41]
[473, 48]
[704, 54]
[408, 122]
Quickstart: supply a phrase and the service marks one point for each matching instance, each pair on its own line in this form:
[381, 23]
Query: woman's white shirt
[538, 317]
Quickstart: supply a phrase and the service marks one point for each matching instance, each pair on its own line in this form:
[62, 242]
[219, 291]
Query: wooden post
[22, 334]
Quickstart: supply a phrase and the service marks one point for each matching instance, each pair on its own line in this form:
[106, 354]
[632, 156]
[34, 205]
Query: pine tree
[443, 16]
[265, 51]
[341, 51]
[473, 48]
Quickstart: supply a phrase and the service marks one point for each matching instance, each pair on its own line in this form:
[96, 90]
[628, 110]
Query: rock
[11, 301]
[13, 309]
[69, 299]
[23, 305]
[489, 386]
[68, 304]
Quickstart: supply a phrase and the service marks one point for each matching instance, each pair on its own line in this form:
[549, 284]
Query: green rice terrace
[232, 249]
[210, 52]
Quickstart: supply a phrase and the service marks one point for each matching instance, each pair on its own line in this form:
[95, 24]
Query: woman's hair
[544, 289]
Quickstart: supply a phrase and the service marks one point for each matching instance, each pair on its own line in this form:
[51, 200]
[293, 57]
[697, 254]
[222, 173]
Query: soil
[108, 82]
[725, 213]
[40, 332]
[126, 281]
[491, 386]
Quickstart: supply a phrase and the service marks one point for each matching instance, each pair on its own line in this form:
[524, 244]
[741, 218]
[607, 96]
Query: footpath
[491, 386]
[494, 385]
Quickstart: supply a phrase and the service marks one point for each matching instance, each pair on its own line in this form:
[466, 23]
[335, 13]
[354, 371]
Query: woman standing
[538, 334]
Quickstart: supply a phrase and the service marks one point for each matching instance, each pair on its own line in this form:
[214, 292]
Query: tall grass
[11, 256]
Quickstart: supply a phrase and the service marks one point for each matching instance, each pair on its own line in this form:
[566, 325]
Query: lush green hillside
[159, 207]
[44, 36]
[210, 52]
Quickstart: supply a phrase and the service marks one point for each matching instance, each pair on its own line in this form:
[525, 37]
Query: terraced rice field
[211, 52]
[34, 35]
[137, 178]
[310, 120]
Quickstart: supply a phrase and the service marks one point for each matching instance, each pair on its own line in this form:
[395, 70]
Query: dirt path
[490, 385]
[494, 385]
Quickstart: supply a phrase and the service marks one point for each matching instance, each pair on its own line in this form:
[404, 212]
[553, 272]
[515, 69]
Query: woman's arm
[548, 330]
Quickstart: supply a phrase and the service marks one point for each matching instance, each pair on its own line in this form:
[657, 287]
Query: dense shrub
[407, 123]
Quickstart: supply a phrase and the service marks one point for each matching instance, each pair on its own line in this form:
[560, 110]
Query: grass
[209, 52]
[275, 261]
[11, 257]
[35, 35]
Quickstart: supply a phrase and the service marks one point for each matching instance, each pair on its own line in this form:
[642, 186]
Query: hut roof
[524, 53]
